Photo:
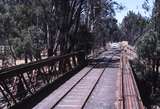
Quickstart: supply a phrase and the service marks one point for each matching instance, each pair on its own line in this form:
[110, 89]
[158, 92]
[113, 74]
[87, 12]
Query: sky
[133, 5]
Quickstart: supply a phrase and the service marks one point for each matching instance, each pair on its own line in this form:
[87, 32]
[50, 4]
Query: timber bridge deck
[106, 82]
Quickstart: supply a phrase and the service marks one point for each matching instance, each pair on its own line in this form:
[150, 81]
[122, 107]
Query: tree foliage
[133, 25]
[30, 26]
[148, 49]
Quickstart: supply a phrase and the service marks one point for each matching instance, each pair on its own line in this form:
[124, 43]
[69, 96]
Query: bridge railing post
[81, 58]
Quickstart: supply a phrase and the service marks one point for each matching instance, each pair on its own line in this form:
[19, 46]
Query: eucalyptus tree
[18, 18]
[99, 17]
[7, 30]
[149, 58]
[133, 25]
[55, 24]
[148, 49]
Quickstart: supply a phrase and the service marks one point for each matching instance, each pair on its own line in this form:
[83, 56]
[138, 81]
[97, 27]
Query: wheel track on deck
[79, 82]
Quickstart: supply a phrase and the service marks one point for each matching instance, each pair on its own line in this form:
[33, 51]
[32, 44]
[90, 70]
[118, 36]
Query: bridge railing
[129, 93]
[130, 52]
[22, 81]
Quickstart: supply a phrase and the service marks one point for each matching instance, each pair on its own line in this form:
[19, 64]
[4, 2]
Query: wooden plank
[78, 95]
[131, 96]
[54, 97]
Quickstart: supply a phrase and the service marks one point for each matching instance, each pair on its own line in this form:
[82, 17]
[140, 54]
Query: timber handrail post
[82, 58]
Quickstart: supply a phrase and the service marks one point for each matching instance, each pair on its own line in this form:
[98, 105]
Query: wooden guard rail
[130, 51]
[129, 94]
[22, 81]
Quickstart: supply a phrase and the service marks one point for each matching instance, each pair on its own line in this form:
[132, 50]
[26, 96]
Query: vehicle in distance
[115, 45]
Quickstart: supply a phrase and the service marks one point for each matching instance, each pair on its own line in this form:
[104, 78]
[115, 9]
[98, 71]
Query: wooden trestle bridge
[72, 82]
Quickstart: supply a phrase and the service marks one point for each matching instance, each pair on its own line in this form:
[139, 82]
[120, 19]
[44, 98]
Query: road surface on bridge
[105, 93]
[94, 87]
